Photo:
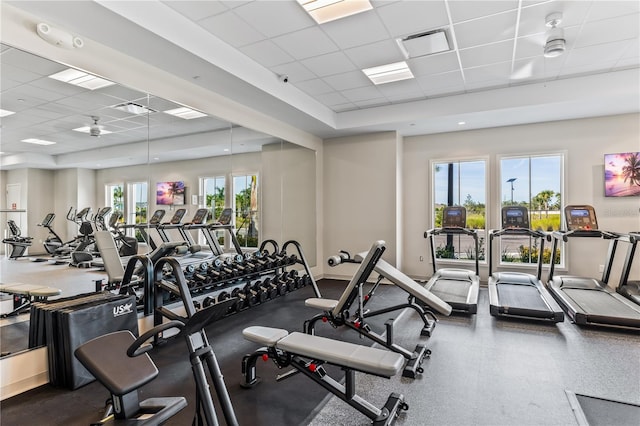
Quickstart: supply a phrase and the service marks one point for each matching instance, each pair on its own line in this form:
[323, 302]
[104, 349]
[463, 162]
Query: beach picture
[622, 174]
[170, 193]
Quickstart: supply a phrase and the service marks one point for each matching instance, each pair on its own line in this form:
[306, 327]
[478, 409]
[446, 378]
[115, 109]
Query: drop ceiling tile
[371, 55]
[331, 99]
[486, 54]
[633, 49]
[611, 9]
[406, 88]
[399, 99]
[348, 80]
[529, 46]
[231, 29]
[196, 10]
[31, 63]
[471, 9]
[486, 85]
[16, 73]
[609, 30]
[488, 73]
[433, 64]
[64, 89]
[314, 87]
[329, 64]
[372, 103]
[359, 29]
[605, 52]
[306, 43]
[362, 94]
[274, 18]
[410, 17]
[295, 70]
[441, 83]
[266, 53]
[587, 67]
[485, 30]
[344, 107]
[232, 4]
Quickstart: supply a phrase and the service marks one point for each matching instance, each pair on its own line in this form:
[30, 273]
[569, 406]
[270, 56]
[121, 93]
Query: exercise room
[320, 212]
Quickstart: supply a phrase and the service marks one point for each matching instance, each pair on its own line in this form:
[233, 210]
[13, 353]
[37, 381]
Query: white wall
[359, 191]
[584, 141]
[41, 197]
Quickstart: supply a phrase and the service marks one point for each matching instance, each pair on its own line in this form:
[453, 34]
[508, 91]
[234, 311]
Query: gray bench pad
[362, 358]
[29, 289]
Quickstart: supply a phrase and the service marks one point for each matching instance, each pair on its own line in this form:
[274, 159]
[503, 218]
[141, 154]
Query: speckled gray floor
[488, 371]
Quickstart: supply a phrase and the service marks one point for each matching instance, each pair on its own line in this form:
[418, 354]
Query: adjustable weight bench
[336, 312]
[307, 354]
[25, 294]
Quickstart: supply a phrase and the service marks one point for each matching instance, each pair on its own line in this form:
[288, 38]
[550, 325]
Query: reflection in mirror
[115, 147]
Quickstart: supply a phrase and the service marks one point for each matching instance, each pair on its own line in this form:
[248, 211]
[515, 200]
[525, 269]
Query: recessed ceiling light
[82, 79]
[38, 141]
[156, 158]
[87, 129]
[329, 10]
[186, 113]
[5, 112]
[461, 123]
[388, 73]
[226, 150]
[134, 108]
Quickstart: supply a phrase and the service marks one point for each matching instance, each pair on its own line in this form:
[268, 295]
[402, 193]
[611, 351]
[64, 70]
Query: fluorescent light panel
[329, 10]
[87, 129]
[388, 73]
[424, 44]
[5, 112]
[82, 79]
[38, 141]
[186, 113]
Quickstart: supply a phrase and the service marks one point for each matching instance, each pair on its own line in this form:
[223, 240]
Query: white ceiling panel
[609, 30]
[348, 80]
[306, 43]
[231, 29]
[368, 103]
[315, 87]
[410, 17]
[433, 64]
[267, 53]
[362, 94]
[488, 73]
[331, 99]
[282, 17]
[363, 28]
[486, 30]
[295, 70]
[486, 54]
[532, 19]
[196, 10]
[371, 55]
[437, 84]
[606, 52]
[611, 9]
[409, 88]
[471, 9]
[329, 64]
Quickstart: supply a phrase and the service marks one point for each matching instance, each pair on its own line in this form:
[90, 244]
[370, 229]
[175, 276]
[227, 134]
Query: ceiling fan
[95, 130]
[552, 42]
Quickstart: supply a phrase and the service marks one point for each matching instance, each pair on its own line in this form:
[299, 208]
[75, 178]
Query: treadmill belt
[601, 303]
[451, 290]
[521, 296]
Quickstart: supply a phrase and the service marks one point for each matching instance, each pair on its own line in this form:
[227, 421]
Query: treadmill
[517, 294]
[630, 289]
[458, 287]
[588, 301]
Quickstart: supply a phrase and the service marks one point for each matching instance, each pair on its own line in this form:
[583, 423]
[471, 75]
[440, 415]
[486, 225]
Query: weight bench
[307, 354]
[106, 358]
[336, 312]
[25, 294]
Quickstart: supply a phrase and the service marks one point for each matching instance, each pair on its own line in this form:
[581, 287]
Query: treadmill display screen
[454, 217]
[200, 216]
[581, 218]
[177, 216]
[157, 217]
[515, 217]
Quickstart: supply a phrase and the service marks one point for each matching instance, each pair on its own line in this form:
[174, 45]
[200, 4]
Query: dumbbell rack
[230, 276]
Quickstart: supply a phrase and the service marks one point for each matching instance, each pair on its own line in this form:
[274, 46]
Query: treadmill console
[178, 216]
[225, 216]
[581, 218]
[157, 217]
[200, 216]
[515, 217]
[454, 217]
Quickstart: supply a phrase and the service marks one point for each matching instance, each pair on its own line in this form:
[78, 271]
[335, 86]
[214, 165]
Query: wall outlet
[421, 258]
[601, 268]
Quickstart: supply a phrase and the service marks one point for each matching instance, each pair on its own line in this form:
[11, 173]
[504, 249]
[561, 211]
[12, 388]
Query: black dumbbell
[242, 302]
[208, 301]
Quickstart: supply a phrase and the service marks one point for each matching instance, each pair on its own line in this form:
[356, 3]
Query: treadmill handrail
[451, 231]
[431, 233]
[519, 231]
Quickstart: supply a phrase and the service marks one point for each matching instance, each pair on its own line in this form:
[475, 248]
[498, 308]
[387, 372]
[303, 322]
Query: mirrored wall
[103, 144]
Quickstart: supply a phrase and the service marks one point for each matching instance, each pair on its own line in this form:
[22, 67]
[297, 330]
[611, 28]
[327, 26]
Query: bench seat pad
[322, 304]
[362, 358]
[29, 289]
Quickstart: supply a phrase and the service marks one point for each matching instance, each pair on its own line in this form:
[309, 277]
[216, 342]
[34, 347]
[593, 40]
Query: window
[137, 205]
[534, 182]
[115, 197]
[245, 190]
[212, 190]
[460, 183]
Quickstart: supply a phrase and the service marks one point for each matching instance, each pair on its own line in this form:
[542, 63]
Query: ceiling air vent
[424, 44]
[134, 108]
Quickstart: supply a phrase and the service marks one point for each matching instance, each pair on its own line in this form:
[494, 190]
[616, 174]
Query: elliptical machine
[53, 241]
